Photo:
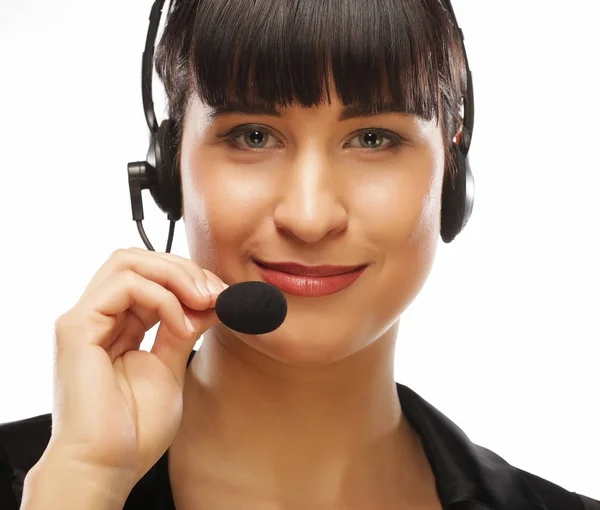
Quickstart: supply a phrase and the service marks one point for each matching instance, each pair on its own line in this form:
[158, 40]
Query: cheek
[403, 210]
[222, 204]
[402, 204]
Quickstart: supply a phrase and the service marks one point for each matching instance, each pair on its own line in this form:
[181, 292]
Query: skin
[307, 416]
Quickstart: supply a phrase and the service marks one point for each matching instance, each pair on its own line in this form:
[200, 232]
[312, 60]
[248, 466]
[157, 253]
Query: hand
[116, 408]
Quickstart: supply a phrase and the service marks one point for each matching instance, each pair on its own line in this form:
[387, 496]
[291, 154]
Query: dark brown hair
[284, 52]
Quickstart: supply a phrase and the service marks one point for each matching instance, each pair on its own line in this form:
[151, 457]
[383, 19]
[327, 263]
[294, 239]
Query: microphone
[251, 307]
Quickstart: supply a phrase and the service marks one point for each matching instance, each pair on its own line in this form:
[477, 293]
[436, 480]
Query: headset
[160, 172]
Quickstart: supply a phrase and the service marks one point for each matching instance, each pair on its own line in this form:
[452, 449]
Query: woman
[318, 133]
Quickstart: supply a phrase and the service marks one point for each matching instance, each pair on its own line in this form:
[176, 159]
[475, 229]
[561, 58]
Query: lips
[309, 281]
[301, 270]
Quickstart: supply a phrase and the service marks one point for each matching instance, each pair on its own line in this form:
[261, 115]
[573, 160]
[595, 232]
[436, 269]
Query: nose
[311, 207]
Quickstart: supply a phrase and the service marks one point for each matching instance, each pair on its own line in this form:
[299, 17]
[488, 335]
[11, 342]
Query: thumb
[174, 351]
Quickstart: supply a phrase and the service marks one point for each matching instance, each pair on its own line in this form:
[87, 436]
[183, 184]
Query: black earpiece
[160, 172]
[457, 197]
[164, 182]
[458, 194]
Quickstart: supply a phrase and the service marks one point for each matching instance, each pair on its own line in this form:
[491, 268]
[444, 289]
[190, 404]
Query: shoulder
[22, 443]
[553, 496]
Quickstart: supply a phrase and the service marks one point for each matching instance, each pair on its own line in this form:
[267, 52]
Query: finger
[120, 294]
[174, 352]
[191, 291]
[205, 279]
[198, 272]
[130, 337]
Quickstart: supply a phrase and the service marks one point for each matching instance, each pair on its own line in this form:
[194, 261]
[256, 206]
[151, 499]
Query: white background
[504, 338]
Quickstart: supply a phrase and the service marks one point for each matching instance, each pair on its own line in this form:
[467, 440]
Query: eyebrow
[349, 112]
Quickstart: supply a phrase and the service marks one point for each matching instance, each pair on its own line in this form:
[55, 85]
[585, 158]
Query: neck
[321, 435]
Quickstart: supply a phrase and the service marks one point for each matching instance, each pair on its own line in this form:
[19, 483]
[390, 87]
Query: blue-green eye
[251, 137]
[375, 139]
[254, 137]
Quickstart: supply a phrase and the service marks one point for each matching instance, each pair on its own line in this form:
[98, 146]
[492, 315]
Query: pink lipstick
[309, 281]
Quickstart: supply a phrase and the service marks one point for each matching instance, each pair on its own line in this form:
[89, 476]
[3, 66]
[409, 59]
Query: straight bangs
[299, 52]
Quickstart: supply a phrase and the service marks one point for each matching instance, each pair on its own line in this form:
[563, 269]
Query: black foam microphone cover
[253, 307]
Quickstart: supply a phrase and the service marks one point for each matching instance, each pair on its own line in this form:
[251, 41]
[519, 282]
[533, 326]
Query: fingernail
[212, 287]
[188, 324]
[202, 288]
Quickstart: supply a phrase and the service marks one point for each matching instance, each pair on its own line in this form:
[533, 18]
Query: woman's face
[317, 188]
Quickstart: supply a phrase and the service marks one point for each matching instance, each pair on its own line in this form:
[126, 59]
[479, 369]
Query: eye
[254, 137]
[251, 137]
[374, 138]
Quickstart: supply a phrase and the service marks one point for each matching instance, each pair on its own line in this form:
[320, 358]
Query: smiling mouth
[315, 281]
[313, 271]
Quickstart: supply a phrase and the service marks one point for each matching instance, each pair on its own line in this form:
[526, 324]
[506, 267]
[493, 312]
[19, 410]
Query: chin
[311, 343]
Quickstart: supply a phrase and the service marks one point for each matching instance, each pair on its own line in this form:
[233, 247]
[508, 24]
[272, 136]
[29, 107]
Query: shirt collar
[464, 471]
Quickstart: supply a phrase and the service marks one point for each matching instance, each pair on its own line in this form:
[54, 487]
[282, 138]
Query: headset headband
[148, 63]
